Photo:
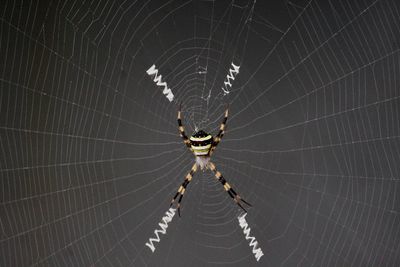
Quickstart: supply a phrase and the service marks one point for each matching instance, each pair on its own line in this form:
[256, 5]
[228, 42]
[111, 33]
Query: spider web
[90, 151]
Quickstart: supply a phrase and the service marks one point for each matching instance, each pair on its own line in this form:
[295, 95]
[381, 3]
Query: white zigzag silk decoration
[152, 71]
[164, 225]
[253, 242]
[231, 76]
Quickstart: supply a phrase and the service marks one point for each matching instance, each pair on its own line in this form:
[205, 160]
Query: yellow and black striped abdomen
[201, 143]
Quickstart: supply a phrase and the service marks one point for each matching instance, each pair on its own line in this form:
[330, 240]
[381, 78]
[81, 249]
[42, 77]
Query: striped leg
[227, 187]
[221, 132]
[181, 129]
[182, 188]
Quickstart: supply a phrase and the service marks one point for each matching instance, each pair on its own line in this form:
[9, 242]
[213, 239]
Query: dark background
[90, 151]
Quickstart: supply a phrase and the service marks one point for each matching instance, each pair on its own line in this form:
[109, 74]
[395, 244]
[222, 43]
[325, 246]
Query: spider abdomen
[200, 143]
[201, 150]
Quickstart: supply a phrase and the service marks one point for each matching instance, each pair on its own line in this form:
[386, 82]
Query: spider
[203, 145]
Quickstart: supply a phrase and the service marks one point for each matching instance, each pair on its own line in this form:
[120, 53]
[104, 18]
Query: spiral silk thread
[233, 71]
[152, 71]
[163, 225]
[253, 242]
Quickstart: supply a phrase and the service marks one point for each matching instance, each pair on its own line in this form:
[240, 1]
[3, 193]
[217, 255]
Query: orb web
[91, 155]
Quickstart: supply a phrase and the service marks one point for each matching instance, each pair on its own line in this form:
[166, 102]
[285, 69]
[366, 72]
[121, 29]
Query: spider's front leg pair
[203, 145]
[182, 188]
[228, 188]
[220, 178]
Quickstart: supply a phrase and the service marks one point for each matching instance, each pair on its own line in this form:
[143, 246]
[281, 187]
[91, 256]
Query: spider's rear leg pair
[220, 178]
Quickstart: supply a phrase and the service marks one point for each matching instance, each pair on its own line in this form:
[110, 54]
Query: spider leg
[228, 188]
[182, 188]
[221, 132]
[182, 129]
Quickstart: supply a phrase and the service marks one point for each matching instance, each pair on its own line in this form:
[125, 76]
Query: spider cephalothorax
[202, 145]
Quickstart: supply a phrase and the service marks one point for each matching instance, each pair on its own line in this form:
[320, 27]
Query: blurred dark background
[91, 155]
